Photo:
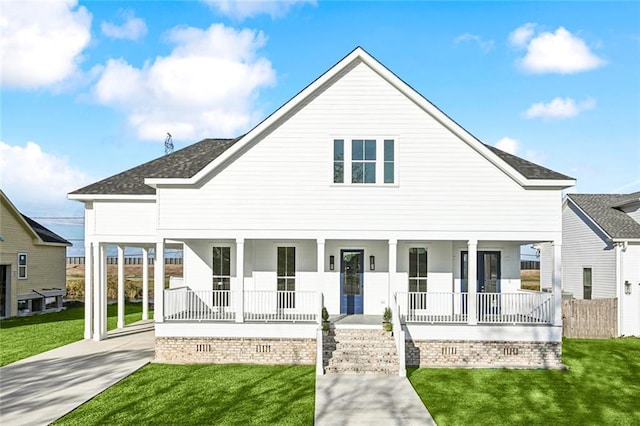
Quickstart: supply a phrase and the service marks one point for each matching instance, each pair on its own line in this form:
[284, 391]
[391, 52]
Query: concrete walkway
[351, 400]
[45, 387]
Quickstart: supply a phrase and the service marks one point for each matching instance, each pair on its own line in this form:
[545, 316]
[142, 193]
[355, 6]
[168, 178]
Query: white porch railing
[515, 308]
[281, 306]
[491, 308]
[184, 304]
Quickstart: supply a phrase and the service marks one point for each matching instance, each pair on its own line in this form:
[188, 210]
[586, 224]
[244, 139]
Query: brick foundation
[460, 353]
[192, 350]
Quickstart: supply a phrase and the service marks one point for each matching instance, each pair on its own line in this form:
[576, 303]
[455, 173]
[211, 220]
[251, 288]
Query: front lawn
[601, 387]
[27, 336]
[204, 395]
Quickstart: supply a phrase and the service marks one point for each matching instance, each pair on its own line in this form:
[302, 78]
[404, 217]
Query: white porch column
[321, 250]
[120, 287]
[158, 283]
[556, 283]
[240, 279]
[145, 283]
[100, 292]
[472, 282]
[88, 290]
[393, 265]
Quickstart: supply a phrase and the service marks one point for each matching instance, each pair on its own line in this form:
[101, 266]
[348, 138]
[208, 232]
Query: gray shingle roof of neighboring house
[183, 163]
[188, 161]
[45, 234]
[527, 168]
[601, 208]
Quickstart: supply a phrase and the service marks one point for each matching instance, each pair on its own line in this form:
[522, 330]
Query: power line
[57, 217]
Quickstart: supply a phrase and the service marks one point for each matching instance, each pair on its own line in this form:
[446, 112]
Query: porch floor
[356, 321]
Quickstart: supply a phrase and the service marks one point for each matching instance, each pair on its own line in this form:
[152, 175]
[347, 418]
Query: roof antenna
[168, 144]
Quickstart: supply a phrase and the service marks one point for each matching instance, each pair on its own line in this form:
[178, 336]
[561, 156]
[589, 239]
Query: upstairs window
[338, 161]
[364, 161]
[22, 266]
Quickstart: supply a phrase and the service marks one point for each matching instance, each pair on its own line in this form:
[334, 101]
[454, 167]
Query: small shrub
[386, 316]
[325, 314]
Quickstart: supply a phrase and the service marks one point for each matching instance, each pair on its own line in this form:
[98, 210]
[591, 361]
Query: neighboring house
[33, 264]
[357, 194]
[601, 252]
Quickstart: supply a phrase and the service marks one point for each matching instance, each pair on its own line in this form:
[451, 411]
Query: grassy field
[26, 336]
[204, 395]
[530, 279]
[601, 387]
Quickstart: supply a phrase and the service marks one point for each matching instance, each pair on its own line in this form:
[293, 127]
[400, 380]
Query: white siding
[284, 181]
[585, 246]
[630, 318]
[546, 265]
[130, 218]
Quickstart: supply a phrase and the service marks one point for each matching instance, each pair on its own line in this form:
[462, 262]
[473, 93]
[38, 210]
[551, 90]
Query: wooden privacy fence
[590, 319]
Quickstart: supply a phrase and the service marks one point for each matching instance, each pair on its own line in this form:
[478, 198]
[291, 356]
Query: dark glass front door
[351, 281]
[488, 279]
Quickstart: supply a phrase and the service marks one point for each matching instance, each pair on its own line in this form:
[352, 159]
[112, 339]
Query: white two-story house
[357, 194]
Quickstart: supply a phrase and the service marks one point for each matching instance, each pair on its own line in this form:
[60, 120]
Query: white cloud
[512, 146]
[41, 41]
[38, 181]
[521, 35]
[558, 52]
[241, 9]
[206, 87]
[508, 145]
[559, 108]
[132, 28]
[485, 46]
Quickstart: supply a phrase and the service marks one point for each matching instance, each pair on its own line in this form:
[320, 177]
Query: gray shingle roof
[527, 168]
[615, 222]
[183, 163]
[45, 234]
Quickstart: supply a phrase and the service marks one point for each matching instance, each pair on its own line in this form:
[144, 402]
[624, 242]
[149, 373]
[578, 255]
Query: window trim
[213, 275]
[348, 160]
[25, 266]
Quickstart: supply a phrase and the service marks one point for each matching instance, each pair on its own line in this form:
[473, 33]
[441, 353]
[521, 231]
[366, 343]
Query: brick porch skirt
[191, 350]
[496, 354]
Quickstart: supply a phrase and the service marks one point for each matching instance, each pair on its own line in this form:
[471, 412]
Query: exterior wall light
[627, 287]
[372, 263]
[332, 262]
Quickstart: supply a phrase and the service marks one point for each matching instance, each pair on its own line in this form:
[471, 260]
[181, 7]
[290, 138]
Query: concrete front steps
[360, 351]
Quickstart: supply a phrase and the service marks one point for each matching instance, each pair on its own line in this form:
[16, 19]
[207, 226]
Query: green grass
[27, 336]
[204, 395]
[601, 387]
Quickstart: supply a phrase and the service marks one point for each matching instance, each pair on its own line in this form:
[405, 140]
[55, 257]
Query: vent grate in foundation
[510, 350]
[203, 347]
[449, 350]
[263, 348]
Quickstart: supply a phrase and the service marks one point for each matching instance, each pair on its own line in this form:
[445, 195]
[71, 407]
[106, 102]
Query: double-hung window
[417, 278]
[221, 275]
[364, 161]
[22, 266]
[286, 277]
[586, 283]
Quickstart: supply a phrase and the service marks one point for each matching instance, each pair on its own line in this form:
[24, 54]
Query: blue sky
[90, 89]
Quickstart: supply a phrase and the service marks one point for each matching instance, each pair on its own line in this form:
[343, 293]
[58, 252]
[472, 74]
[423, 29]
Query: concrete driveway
[45, 387]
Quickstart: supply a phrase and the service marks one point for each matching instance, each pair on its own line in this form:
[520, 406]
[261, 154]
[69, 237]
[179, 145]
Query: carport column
[393, 264]
[556, 280]
[120, 286]
[158, 283]
[145, 283]
[240, 279]
[472, 282]
[88, 291]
